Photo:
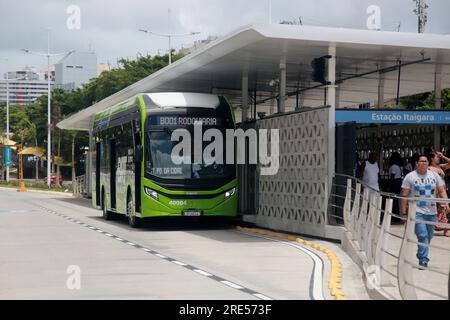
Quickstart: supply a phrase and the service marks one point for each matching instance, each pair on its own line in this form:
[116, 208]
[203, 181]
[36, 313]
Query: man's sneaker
[423, 265]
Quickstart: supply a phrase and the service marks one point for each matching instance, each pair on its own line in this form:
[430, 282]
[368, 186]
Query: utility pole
[49, 116]
[421, 12]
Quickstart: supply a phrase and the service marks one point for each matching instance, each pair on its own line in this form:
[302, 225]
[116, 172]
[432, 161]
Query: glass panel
[158, 161]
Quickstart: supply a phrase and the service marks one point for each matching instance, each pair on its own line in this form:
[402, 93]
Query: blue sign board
[393, 117]
[8, 156]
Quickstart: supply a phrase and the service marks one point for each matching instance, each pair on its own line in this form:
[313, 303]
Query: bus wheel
[133, 221]
[106, 214]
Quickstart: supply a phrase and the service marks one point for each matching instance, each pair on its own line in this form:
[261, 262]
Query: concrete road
[58, 247]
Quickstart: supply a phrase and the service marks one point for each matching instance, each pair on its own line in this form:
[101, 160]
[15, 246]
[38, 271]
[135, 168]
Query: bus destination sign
[185, 121]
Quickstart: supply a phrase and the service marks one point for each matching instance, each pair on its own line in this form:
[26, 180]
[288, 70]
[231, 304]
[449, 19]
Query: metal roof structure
[258, 50]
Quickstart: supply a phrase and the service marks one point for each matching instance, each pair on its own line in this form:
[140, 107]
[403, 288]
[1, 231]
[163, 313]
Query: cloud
[112, 26]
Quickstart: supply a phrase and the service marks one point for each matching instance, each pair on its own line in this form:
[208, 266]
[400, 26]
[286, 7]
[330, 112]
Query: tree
[426, 100]
[30, 122]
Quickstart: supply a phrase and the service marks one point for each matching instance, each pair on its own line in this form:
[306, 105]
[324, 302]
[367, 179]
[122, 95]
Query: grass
[35, 186]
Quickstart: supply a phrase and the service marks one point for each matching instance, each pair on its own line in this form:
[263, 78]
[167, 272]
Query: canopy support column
[244, 96]
[437, 104]
[282, 95]
[381, 78]
[331, 115]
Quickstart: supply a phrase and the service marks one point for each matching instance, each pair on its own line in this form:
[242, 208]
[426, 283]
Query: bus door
[113, 170]
[97, 174]
[137, 163]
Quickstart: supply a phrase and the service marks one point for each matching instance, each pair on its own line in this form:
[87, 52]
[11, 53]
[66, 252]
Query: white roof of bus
[165, 100]
[259, 50]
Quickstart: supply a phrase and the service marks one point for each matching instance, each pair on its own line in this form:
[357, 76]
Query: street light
[170, 36]
[49, 120]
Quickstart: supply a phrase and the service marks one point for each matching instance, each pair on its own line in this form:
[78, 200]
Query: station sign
[393, 117]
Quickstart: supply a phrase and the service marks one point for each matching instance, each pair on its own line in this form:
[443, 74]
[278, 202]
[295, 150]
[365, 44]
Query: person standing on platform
[371, 172]
[395, 179]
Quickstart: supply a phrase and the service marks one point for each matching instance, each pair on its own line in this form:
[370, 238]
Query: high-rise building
[24, 88]
[26, 74]
[76, 69]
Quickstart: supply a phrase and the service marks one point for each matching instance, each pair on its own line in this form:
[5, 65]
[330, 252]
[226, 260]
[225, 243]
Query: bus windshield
[158, 161]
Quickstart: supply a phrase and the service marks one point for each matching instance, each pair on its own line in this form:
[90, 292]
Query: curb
[334, 282]
[40, 191]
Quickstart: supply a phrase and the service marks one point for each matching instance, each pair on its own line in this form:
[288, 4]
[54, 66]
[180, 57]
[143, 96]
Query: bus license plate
[192, 213]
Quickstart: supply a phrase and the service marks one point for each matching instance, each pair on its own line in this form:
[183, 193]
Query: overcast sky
[111, 26]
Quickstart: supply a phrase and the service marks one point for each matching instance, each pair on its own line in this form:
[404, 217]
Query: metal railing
[79, 188]
[389, 257]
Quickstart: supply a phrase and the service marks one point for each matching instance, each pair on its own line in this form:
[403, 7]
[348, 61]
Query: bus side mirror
[138, 154]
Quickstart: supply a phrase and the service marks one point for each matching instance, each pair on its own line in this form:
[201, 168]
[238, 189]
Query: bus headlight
[151, 193]
[229, 193]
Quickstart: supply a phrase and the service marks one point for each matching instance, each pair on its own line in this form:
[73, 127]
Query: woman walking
[442, 209]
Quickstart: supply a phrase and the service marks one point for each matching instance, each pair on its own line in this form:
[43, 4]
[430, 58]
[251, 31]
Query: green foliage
[18, 122]
[425, 101]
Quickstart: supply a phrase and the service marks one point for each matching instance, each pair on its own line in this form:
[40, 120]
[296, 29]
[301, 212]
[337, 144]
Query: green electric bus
[134, 174]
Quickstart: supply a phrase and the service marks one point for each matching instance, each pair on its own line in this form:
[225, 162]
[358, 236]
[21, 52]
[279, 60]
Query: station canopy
[258, 51]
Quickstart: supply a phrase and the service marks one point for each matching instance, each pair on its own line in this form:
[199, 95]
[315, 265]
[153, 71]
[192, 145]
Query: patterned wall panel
[295, 198]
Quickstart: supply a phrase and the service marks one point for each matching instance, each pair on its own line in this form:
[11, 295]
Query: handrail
[79, 189]
[370, 235]
[391, 195]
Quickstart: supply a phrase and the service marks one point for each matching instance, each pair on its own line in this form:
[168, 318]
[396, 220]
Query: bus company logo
[257, 148]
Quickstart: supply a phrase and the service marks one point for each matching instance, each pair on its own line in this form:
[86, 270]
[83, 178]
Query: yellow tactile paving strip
[334, 282]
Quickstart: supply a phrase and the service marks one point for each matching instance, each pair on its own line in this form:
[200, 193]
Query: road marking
[261, 296]
[206, 274]
[231, 284]
[182, 264]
